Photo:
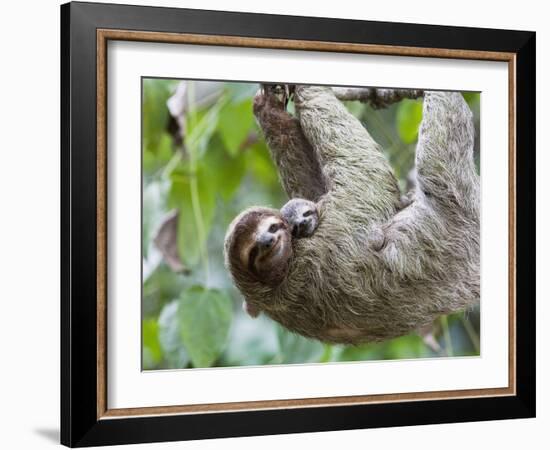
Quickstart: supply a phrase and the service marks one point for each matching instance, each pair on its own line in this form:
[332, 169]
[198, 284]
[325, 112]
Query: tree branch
[377, 98]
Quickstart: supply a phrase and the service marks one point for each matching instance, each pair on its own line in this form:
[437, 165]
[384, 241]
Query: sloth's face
[258, 247]
[269, 247]
[302, 217]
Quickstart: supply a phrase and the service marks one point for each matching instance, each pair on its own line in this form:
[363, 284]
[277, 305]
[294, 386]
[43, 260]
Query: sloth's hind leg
[299, 169]
[444, 156]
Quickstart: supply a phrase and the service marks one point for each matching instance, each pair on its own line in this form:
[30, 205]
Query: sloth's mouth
[259, 259]
[304, 229]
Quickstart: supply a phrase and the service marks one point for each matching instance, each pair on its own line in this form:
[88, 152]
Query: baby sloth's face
[302, 217]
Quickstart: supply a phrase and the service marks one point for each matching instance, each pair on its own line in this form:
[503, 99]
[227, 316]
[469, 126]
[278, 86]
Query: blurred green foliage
[192, 317]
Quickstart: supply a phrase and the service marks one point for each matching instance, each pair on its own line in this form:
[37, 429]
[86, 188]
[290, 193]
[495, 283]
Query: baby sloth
[302, 217]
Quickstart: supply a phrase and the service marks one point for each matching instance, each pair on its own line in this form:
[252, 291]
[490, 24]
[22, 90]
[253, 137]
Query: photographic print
[300, 224]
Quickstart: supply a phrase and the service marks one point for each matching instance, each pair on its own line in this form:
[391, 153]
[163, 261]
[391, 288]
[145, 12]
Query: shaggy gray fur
[374, 270]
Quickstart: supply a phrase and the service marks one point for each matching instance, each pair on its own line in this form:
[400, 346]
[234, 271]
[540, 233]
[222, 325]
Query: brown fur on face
[248, 258]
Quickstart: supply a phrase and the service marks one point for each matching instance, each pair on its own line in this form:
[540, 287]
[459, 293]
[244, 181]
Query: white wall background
[29, 229]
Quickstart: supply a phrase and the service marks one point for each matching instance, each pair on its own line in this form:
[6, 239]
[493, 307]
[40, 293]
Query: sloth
[374, 268]
[301, 216]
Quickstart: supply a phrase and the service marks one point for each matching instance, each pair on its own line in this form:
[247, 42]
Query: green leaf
[170, 337]
[223, 170]
[154, 161]
[235, 122]
[356, 108]
[148, 162]
[241, 91]
[471, 97]
[190, 239]
[161, 287]
[153, 204]
[409, 115]
[410, 346]
[362, 352]
[155, 112]
[294, 348]
[261, 166]
[151, 347]
[201, 125]
[205, 317]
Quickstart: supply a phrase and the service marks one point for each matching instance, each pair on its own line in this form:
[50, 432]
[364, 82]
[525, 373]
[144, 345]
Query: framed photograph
[277, 224]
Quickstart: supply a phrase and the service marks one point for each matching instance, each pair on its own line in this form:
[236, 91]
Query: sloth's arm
[445, 165]
[298, 167]
[352, 162]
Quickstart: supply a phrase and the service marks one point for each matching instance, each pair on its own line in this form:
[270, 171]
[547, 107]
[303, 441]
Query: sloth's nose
[266, 240]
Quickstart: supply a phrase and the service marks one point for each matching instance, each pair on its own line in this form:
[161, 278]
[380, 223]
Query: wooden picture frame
[85, 416]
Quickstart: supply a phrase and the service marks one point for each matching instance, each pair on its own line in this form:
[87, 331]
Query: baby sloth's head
[302, 217]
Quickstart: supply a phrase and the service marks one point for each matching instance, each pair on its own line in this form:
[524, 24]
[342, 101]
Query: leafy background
[204, 161]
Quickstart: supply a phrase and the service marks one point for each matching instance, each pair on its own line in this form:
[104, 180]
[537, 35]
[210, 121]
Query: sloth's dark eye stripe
[273, 228]
[252, 257]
